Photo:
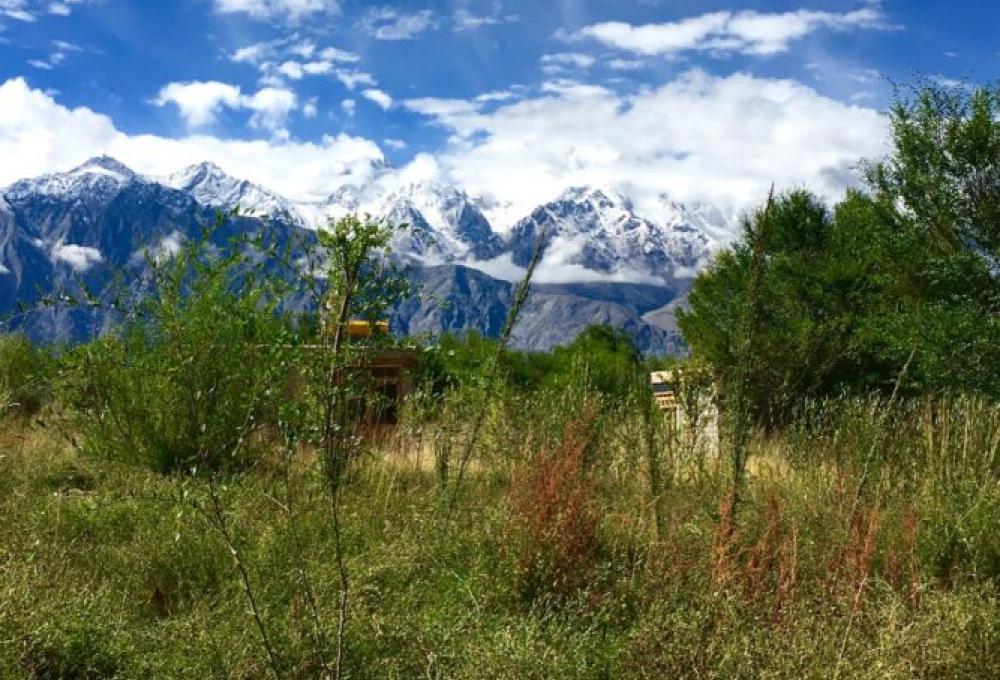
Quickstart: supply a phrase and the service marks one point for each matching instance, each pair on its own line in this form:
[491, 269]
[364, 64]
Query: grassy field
[545, 563]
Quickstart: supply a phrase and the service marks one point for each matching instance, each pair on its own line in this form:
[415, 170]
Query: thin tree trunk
[520, 297]
[223, 527]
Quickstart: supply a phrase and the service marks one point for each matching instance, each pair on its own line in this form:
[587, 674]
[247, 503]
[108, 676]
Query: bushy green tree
[190, 375]
[906, 273]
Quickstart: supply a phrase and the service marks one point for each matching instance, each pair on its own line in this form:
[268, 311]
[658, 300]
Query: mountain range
[601, 262]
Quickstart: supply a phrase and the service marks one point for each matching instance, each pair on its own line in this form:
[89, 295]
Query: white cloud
[697, 137]
[80, 258]
[303, 48]
[317, 68]
[495, 96]
[465, 19]
[65, 7]
[291, 10]
[460, 115]
[271, 107]
[397, 144]
[349, 106]
[747, 32]
[60, 51]
[257, 53]
[380, 97]
[310, 108]
[65, 46]
[554, 63]
[48, 137]
[200, 102]
[388, 23]
[252, 54]
[165, 250]
[351, 79]
[291, 69]
[22, 10]
[626, 64]
[16, 9]
[335, 54]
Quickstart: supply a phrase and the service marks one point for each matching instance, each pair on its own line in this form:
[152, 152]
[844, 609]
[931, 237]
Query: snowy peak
[208, 184]
[105, 166]
[595, 230]
[456, 219]
[591, 233]
[100, 177]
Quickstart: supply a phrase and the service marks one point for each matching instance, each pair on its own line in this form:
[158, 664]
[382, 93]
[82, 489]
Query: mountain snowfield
[592, 234]
[600, 259]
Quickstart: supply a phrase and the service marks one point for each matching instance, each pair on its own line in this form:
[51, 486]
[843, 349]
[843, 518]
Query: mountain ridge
[602, 262]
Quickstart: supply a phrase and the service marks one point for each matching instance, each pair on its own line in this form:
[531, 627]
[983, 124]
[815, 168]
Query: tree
[909, 267]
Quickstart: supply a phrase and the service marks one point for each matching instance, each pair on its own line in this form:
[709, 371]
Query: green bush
[24, 376]
[187, 385]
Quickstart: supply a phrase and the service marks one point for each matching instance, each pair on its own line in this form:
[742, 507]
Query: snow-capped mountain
[592, 231]
[604, 260]
[208, 184]
[445, 224]
[100, 177]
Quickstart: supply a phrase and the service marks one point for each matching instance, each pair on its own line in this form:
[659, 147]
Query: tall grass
[554, 569]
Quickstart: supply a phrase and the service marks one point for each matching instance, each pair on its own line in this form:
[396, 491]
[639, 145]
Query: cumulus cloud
[389, 23]
[291, 70]
[48, 137]
[291, 10]
[270, 107]
[200, 102]
[80, 258]
[698, 137]
[747, 32]
[380, 97]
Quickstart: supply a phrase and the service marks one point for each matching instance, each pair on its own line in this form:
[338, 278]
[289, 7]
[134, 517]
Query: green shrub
[187, 385]
[24, 376]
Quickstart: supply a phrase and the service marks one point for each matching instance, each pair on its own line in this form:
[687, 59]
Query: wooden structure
[386, 372]
[390, 381]
[690, 409]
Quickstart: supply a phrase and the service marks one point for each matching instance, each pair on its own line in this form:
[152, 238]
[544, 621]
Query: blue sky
[511, 98]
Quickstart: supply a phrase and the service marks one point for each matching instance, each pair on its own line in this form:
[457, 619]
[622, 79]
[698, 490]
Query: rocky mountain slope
[601, 262]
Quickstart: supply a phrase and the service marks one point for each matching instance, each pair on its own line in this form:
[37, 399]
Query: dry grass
[112, 570]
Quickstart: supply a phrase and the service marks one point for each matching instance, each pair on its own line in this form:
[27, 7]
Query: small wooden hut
[690, 408]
